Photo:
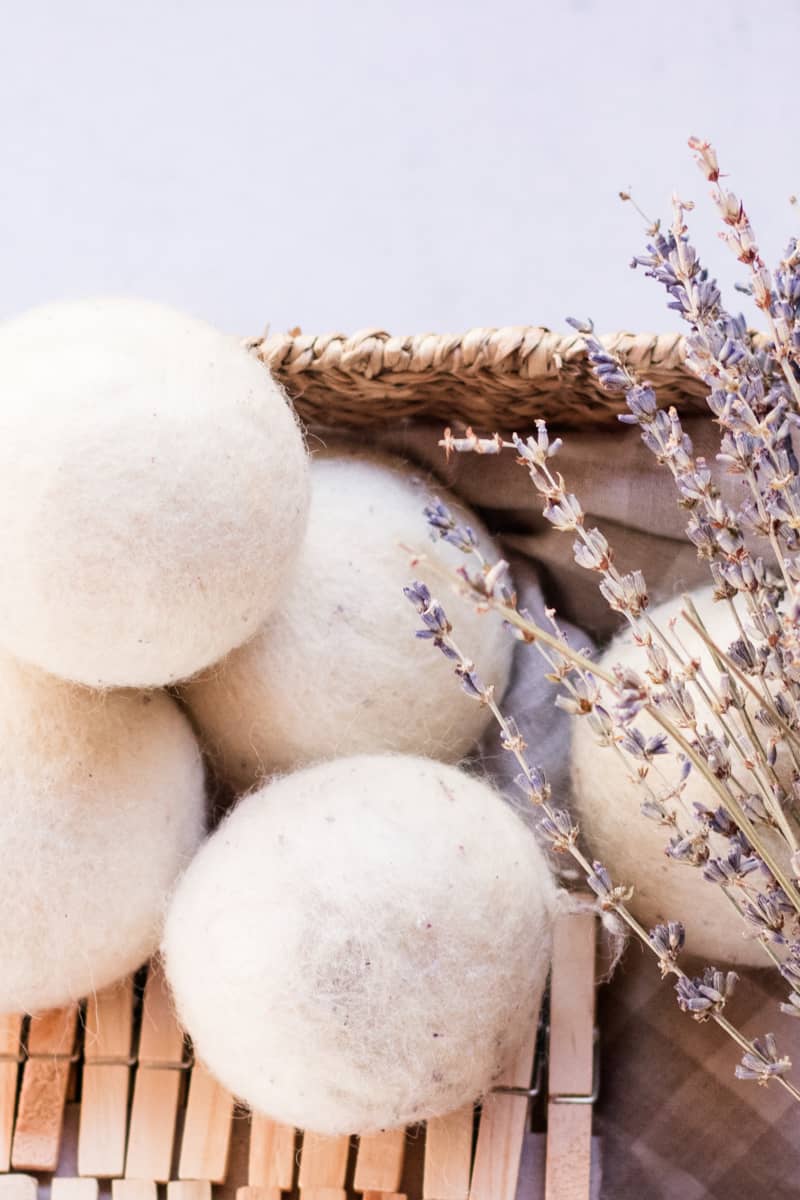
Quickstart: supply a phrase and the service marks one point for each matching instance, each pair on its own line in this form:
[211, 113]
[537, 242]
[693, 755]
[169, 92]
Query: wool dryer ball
[363, 944]
[153, 486]
[632, 847]
[102, 808]
[337, 670]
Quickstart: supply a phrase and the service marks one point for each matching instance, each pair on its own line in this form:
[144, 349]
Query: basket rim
[483, 377]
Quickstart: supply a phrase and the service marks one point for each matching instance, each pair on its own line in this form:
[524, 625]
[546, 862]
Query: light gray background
[414, 165]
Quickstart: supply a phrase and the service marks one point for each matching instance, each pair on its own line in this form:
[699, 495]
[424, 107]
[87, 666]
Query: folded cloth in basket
[674, 1121]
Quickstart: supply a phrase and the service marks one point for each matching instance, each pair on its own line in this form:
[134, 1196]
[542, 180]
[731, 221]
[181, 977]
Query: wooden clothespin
[11, 1056]
[43, 1095]
[106, 1077]
[573, 1058]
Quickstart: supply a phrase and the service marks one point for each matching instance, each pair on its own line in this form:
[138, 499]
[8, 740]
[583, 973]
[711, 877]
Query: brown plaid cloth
[673, 1120]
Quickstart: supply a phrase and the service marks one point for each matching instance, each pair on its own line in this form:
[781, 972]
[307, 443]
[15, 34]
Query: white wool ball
[153, 486]
[363, 944]
[336, 669]
[102, 808]
[607, 803]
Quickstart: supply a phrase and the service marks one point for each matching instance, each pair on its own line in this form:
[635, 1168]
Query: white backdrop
[414, 165]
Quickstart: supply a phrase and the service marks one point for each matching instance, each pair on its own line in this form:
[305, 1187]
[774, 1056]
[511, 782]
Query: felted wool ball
[153, 486]
[102, 807]
[607, 803]
[363, 944]
[337, 670]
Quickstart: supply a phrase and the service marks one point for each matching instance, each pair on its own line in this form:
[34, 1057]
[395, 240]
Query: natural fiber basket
[490, 378]
[104, 1098]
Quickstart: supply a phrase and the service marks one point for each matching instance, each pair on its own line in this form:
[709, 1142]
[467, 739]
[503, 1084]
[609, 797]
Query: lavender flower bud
[609, 894]
[707, 993]
[765, 914]
[443, 525]
[668, 940]
[763, 1063]
[565, 514]
[792, 1009]
[470, 682]
[559, 829]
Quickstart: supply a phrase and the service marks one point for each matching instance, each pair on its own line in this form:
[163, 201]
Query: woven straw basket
[104, 1098]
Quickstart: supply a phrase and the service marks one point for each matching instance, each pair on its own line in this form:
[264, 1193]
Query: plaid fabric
[673, 1120]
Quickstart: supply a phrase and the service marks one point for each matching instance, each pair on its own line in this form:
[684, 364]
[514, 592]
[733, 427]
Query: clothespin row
[467, 1155]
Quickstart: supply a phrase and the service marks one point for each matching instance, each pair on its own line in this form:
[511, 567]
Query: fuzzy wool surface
[607, 803]
[363, 944]
[153, 486]
[102, 807]
[337, 670]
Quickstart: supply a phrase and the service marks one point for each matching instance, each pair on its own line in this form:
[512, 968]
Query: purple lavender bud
[564, 514]
[443, 525]
[710, 991]
[470, 681]
[691, 849]
[763, 1063]
[417, 593]
[741, 652]
[792, 1009]
[654, 810]
[766, 916]
[559, 829]
[600, 881]
[668, 940]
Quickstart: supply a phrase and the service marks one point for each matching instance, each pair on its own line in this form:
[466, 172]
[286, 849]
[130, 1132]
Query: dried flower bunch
[726, 724]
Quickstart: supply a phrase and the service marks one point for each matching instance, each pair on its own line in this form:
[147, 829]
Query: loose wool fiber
[337, 670]
[102, 807]
[153, 489]
[362, 944]
[631, 846]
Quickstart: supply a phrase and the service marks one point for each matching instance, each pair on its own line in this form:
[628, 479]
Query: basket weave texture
[512, 374]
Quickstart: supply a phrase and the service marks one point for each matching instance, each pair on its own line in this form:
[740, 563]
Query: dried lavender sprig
[742, 241]
[762, 942]
[492, 581]
[719, 533]
[723, 592]
[718, 349]
[727, 798]
[585, 682]
[752, 406]
[761, 765]
[741, 382]
[439, 630]
[692, 618]
[482, 591]
[787, 296]
[565, 513]
[769, 707]
[762, 769]
[684, 845]
[721, 661]
[676, 452]
[563, 834]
